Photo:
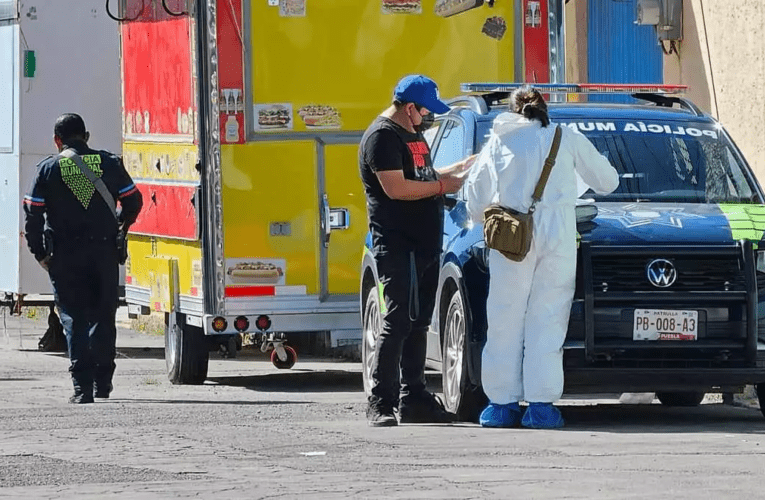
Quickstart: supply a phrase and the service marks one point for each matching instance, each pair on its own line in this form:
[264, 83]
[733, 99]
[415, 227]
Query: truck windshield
[690, 163]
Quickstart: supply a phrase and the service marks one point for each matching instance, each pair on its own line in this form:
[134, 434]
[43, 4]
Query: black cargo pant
[85, 278]
[409, 283]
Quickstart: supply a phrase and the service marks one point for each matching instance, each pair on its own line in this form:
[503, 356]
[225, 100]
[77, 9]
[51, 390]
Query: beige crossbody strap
[549, 162]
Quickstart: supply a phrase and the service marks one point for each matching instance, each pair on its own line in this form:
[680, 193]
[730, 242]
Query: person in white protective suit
[529, 302]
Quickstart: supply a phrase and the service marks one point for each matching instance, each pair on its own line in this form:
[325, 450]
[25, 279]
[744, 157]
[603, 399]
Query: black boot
[424, 408]
[380, 413]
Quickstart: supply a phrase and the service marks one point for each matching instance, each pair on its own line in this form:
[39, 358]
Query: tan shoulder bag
[508, 230]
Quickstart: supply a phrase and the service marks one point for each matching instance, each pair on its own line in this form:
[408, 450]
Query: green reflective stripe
[578, 239]
[76, 181]
[381, 293]
[747, 222]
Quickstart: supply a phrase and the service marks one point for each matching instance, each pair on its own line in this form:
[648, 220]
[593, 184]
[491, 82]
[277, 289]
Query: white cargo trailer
[56, 57]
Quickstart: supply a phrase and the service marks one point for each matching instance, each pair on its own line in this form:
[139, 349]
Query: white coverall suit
[529, 302]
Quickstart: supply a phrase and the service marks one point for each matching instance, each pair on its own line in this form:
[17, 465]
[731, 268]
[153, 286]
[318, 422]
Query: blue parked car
[670, 294]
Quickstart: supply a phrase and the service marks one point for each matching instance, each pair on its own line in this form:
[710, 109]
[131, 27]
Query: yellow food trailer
[241, 122]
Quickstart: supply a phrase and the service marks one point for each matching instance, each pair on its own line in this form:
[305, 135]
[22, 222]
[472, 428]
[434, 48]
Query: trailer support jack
[283, 355]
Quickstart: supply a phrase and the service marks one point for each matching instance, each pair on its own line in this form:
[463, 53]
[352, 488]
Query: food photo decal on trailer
[292, 8]
[401, 6]
[318, 116]
[255, 272]
[273, 116]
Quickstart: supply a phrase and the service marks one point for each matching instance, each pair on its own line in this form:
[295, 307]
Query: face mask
[427, 122]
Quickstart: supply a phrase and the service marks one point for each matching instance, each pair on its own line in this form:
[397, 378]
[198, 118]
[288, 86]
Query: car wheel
[460, 396]
[372, 326]
[761, 397]
[680, 398]
[186, 351]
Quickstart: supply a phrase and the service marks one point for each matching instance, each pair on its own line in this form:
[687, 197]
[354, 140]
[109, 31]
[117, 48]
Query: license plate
[662, 324]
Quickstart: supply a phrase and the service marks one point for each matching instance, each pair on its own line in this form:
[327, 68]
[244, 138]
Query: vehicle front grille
[612, 273]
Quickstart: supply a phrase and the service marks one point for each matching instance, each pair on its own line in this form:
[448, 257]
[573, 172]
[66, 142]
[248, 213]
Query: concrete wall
[722, 60]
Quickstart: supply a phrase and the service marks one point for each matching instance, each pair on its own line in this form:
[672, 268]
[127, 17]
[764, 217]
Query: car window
[451, 147]
[674, 169]
[688, 164]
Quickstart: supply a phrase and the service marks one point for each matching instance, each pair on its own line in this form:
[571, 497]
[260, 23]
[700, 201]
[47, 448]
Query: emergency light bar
[578, 88]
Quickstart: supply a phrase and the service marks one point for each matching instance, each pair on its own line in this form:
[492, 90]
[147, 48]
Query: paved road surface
[253, 431]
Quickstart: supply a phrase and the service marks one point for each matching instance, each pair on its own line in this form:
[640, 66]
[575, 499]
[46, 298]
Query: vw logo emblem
[661, 273]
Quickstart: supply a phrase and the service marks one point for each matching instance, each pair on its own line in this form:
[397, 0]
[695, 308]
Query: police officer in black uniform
[74, 236]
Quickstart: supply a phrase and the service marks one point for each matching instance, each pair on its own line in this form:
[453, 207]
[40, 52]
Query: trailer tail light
[242, 324]
[219, 324]
[263, 322]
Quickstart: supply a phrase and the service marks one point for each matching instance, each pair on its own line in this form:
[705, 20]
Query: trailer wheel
[680, 398]
[460, 396]
[186, 351]
[372, 324]
[289, 362]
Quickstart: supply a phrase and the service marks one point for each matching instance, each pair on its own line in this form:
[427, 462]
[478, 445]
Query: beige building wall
[576, 41]
[722, 60]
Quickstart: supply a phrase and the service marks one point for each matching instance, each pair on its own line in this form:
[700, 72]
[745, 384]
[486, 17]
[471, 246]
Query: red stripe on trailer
[231, 67]
[168, 210]
[157, 73]
[249, 291]
[536, 41]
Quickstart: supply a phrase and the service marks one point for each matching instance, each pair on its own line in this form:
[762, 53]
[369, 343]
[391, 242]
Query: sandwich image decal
[402, 6]
[446, 8]
[292, 8]
[273, 116]
[317, 116]
[254, 271]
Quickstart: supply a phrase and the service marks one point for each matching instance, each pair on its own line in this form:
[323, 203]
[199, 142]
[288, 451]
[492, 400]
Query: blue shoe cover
[495, 415]
[542, 416]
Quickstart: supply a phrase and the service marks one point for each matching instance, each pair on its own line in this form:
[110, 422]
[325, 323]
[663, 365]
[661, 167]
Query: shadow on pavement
[141, 352]
[655, 418]
[208, 402]
[295, 380]
[60, 354]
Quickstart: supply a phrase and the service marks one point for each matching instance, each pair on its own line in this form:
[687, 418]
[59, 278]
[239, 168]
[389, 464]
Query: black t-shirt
[399, 224]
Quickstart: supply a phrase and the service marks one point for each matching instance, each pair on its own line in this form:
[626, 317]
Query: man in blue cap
[405, 206]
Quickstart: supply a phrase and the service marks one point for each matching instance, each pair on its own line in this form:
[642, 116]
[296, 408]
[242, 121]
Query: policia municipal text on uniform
[75, 236]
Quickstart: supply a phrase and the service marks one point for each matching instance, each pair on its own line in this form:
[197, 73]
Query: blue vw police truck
[670, 293]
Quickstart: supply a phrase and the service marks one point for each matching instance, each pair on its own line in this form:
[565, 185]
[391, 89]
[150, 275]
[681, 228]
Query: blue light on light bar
[577, 88]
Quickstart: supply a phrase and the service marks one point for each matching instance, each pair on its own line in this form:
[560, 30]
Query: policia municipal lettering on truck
[641, 127]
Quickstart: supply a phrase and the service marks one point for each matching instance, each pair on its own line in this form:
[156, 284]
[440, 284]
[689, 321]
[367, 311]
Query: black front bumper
[602, 357]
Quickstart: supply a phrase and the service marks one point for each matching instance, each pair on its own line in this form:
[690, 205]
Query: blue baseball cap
[420, 90]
